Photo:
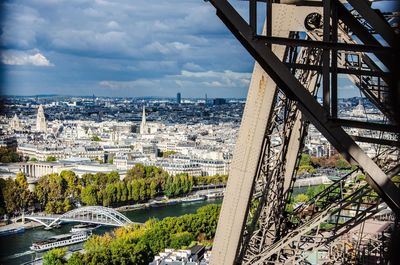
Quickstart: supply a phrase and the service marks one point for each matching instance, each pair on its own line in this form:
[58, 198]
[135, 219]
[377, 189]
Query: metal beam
[380, 25]
[308, 105]
[366, 125]
[375, 140]
[324, 45]
[340, 70]
[362, 33]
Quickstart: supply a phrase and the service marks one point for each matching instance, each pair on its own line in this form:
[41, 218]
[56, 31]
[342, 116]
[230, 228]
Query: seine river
[14, 249]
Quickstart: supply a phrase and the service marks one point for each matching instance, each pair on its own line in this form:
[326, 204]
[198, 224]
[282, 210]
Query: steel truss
[255, 226]
[88, 214]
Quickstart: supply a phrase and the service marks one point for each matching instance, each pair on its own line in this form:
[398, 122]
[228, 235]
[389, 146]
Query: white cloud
[192, 67]
[23, 58]
[207, 79]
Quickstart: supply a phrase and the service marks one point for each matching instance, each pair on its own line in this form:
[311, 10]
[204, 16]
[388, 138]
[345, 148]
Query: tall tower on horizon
[143, 125]
[41, 120]
[178, 98]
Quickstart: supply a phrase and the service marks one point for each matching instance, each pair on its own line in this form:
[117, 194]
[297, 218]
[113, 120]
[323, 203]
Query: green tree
[76, 259]
[89, 195]
[55, 257]
[51, 159]
[153, 189]
[301, 198]
[96, 138]
[8, 155]
[342, 164]
[305, 160]
[181, 239]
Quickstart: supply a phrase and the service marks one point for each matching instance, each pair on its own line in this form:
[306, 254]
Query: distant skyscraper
[178, 98]
[143, 125]
[41, 120]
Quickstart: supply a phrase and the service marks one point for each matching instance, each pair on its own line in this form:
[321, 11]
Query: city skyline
[140, 48]
[125, 49]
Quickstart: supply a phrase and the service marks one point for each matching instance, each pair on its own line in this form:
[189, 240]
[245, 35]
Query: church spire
[144, 115]
[143, 123]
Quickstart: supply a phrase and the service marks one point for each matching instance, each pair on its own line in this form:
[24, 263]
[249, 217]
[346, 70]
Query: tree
[301, 198]
[168, 153]
[153, 189]
[76, 259]
[96, 138]
[51, 159]
[396, 180]
[21, 180]
[305, 160]
[181, 239]
[342, 164]
[8, 155]
[89, 195]
[54, 256]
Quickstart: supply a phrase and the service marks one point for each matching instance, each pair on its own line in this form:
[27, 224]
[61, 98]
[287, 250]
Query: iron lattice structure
[304, 46]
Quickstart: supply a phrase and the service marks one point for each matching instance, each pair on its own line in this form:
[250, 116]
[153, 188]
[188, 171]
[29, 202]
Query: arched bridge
[88, 214]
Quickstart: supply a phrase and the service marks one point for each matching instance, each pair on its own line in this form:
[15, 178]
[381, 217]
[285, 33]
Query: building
[15, 123]
[178, 98]
[176, 167]
[8, 141]
[197, 255]
[41, 120]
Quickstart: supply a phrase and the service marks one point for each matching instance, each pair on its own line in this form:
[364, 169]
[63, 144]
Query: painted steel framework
[303, 45]
[88, 214]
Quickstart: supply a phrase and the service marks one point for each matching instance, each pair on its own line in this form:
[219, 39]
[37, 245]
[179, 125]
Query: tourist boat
[194, 198]
[215, 195]
[84, 227]
[61, 241]
[12, 231]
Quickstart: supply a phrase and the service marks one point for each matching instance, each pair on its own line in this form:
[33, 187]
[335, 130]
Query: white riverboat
[195, 198]
[84, 227]
[61, 241]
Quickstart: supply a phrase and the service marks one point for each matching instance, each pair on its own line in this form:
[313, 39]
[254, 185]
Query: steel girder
[233, 244]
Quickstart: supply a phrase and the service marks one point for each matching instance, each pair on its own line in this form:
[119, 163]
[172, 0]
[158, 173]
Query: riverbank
[197, 196]
[15, 248]
[26, 225]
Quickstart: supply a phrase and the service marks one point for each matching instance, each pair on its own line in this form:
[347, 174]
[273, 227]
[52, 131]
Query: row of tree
[138, 244]
[308, 163]
[58, 193]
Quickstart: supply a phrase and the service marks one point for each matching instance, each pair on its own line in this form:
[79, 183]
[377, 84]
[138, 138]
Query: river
[15, 248]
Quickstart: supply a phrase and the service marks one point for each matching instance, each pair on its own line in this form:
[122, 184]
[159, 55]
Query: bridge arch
[88, 214]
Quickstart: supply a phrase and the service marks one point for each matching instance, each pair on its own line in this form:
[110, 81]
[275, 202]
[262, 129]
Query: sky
[126, 48]
[130, 48]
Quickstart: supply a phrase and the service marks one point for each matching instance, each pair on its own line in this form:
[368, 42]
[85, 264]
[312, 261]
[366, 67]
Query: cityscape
[211, 132]
[117, 138]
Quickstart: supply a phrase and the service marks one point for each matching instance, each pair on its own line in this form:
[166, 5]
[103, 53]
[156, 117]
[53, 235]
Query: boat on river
[195, 198]
[84, 227]
[61, 241]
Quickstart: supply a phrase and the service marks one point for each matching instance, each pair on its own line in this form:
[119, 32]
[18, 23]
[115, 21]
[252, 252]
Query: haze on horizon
[122, 48]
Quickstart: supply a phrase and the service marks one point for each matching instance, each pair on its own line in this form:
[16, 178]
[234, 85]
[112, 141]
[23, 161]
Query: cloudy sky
[128, 48]
[123, 48]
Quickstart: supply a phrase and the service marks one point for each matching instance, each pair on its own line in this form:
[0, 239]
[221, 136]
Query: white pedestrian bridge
[88, 214]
